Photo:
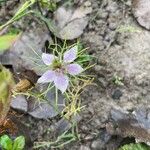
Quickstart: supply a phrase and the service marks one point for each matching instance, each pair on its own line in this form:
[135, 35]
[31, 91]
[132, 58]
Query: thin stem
[48, 89]
[56, 98]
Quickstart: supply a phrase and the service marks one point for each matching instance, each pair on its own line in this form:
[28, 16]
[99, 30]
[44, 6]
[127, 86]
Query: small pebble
[112, 26]
[97, 145]
[97, 68]
[84, 148]
[89, 137]
[117, 94]
[87, 3]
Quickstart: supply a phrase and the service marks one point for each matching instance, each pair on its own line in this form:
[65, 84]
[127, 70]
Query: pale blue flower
[58, 72]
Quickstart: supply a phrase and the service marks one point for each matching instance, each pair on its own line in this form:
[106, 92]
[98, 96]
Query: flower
[58, 70]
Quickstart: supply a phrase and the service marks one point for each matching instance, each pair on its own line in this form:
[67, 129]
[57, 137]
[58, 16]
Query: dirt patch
[125, 54]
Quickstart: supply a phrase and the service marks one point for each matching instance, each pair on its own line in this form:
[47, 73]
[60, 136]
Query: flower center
[56, 64]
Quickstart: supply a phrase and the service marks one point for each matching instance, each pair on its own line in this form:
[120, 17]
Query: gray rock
[64, 124]
[142, 114]
[103, 15]
[112, 26]
[116, 95]
[28, 49]
[130, 61]
[19, 103]
[43, 110]
[136, 124]
[89, 137]
[5, 59]
[141, 10]
[70, 22]
[47, 108]
[112, 7]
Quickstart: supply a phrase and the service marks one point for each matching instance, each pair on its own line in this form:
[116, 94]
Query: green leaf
[50, 4]
[6, 41]
[19, 143]
[6, 143]
[135, 147]
[84, 58]
[20, 13]
[13, 31]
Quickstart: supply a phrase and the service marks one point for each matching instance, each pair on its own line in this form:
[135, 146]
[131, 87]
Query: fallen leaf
[71, 22]
[141, 11]
[22, 85]
[27, 80]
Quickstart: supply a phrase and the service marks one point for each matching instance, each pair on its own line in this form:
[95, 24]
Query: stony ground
[121, 50]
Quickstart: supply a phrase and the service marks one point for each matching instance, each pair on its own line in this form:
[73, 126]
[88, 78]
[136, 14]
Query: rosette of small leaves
[7, 143]
[137, 146]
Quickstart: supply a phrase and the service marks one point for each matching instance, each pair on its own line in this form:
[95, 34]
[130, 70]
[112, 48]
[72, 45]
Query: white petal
[74, 69]
[48, 58]
[61, 82]
[48, 76]
[71, 55]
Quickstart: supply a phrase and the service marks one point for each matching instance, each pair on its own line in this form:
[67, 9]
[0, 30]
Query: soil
[121, 54]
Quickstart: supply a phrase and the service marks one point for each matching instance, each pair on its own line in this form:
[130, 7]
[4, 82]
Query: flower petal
[48, 76]
[48, 58]
[61, 82]
[71, 55]
[74, 69]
